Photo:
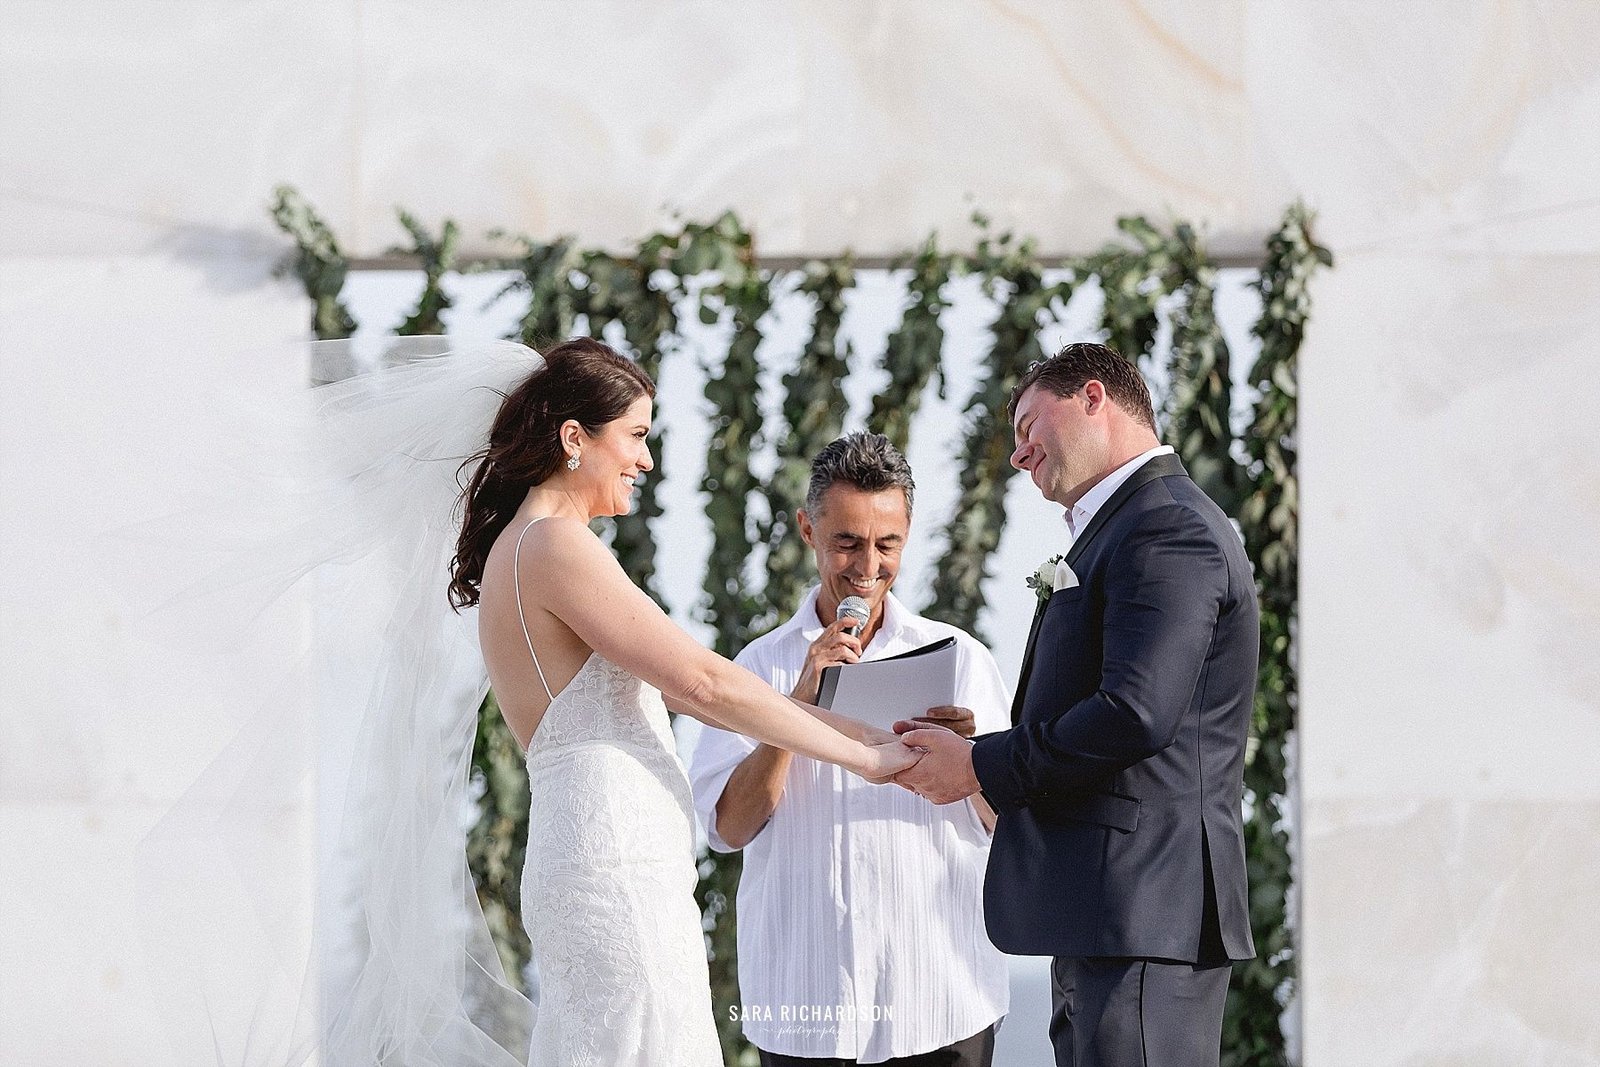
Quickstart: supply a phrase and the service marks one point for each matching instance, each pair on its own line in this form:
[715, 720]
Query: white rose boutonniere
[1053, 575]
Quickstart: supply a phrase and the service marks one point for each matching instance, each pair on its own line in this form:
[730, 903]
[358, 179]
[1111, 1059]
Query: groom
[1120, 844]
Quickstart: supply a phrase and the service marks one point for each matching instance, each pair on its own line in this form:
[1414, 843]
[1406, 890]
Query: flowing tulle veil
[308, 898]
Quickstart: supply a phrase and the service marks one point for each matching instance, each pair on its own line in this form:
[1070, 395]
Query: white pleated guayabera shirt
[860, 910]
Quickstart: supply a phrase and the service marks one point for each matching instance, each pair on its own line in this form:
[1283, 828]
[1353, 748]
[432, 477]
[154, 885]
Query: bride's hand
[887, 759]
[871, 735]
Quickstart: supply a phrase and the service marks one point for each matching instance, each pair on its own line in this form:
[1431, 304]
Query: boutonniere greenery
[1043, 580]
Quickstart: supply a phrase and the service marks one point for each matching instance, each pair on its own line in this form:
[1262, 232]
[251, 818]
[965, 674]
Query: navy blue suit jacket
[1118, 791]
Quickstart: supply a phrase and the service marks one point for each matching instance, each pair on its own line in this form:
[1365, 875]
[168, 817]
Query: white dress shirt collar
[1079, 514]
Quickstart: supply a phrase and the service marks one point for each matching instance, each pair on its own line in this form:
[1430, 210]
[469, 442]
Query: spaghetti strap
[516, 581]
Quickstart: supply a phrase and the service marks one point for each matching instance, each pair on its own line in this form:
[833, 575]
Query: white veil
[308, 898]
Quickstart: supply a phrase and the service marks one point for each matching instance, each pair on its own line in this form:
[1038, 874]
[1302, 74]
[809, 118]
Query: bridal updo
[581, 379]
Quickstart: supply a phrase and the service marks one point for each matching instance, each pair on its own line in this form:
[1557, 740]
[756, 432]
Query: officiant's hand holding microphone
[838, 643]
[826, 651]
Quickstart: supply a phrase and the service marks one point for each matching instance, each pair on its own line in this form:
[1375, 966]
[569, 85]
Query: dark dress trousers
[1120, 834]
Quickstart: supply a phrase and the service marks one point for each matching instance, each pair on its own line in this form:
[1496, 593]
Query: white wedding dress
[608, 886]
[309, 899]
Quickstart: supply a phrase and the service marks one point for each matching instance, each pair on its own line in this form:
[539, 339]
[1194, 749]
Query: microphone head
[854, 607]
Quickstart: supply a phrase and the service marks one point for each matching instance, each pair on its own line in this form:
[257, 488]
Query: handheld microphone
[855, 608]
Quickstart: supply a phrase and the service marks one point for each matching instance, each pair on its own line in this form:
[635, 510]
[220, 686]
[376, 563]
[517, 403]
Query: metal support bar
[1229, 259]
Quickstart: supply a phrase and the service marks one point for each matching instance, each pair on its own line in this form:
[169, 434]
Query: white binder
[880, 692]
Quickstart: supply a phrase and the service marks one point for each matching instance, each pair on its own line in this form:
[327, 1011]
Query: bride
[387, 501]
[584, 666]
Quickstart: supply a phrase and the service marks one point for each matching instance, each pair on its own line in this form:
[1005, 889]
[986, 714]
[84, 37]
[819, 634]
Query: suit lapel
[1027, 664]
[1158, 467]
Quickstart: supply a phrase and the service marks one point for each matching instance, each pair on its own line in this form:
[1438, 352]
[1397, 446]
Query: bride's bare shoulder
[554, 542]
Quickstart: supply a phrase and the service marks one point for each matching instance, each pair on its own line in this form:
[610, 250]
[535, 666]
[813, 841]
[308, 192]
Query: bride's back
[512, 673]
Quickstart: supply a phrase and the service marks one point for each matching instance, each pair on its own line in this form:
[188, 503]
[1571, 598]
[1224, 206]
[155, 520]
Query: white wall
[1451, 711]
[1449, 699]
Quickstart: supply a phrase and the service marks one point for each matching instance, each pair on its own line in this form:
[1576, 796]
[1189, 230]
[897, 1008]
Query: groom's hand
[961, 720]
[944, 774]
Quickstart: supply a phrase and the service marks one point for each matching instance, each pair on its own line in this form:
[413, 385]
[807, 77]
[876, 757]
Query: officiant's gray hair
[868, 461]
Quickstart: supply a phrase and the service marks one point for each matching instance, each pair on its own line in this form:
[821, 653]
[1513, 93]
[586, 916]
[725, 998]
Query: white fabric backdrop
[1449, 701]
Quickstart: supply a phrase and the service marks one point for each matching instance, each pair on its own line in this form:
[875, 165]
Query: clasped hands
[942, 770]
[931, 755]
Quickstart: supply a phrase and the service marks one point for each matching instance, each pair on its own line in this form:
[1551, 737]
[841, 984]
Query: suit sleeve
[1164, 587]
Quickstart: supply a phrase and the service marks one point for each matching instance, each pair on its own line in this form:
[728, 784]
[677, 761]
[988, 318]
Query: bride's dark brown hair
[582, 379]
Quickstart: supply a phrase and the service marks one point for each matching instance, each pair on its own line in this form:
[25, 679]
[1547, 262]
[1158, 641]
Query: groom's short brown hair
[1065, 372]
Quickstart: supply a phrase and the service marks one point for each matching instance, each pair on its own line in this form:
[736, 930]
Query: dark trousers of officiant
[975, 1051]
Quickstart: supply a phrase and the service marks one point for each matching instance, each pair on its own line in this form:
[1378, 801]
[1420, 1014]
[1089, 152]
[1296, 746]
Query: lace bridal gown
[608, 887]
[340, 513]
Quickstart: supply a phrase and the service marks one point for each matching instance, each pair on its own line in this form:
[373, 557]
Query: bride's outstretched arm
[575, 578]
[853, 728]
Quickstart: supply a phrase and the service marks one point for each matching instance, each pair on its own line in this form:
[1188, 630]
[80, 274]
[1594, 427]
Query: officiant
[860, 913]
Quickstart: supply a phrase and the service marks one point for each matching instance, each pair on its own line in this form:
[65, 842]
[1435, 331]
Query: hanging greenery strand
[740, 292]
[1198, 420]
[914, 351]
[1269, 519]
[743, 292]
[1130, 281]
[317, 261]
[716, 893]
[437, 258]
[622, 289]
[813, 415]
[546, 276]
[1012, 274]
[497, 842]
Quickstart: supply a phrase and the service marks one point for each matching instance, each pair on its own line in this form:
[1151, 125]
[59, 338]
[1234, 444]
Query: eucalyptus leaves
[1148, 278]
